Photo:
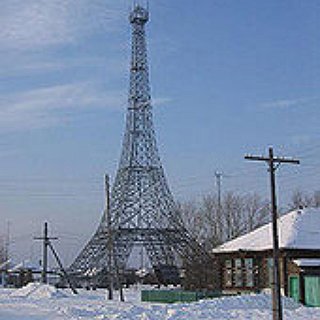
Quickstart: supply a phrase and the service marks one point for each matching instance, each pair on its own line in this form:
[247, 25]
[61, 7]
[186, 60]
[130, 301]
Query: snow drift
[38, 291]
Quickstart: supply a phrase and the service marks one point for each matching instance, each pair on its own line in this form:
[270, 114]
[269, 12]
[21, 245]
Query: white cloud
[53, 105]
[28, 24]
[160, 101]
[26, 64]
[56, 105]
[301, 139]
[289, 103]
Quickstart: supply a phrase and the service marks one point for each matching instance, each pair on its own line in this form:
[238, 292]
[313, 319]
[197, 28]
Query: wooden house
[246, 263]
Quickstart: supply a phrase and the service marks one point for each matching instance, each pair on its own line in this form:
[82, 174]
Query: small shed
[246, 263]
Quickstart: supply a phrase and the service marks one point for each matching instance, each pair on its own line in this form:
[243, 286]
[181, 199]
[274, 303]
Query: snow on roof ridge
[292, 238]
[287, 228]
[307, 262]
[295, 231]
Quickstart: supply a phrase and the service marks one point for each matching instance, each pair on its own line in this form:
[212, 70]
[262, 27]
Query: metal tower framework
[142, 210]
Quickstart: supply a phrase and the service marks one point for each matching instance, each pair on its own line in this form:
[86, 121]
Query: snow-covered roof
[307, 262]
[298, 229]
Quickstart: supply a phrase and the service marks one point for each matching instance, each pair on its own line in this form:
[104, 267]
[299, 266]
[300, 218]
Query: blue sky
[228, 78]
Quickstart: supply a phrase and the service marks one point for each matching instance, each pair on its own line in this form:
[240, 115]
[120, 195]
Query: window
[239, 273]
[248, 264]
[270, 271]
[238, 279]
[228, 273]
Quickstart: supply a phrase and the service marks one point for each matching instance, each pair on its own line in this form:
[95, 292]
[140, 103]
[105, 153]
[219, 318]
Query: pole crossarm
[274, 160]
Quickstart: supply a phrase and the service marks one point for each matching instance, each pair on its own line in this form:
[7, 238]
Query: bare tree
[256, 210]
[301, 199]
[232, 215]
[212, 224]
[192, 218]
[237, 214]
[316, 199]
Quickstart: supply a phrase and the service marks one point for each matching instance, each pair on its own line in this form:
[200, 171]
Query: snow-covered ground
[41, 302]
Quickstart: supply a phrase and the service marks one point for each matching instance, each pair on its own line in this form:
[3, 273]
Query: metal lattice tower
[142, 210]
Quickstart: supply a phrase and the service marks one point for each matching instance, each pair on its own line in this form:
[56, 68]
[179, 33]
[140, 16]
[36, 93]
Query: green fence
[312, 291]
[172, 296]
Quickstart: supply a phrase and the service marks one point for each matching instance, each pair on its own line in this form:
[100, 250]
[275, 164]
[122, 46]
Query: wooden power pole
[113, 270]
[46, 241]
[274, 163]
[48, 245]
[218, 176]
[109, 239]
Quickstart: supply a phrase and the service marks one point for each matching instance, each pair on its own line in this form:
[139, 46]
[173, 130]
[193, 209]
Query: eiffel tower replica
[141, 211]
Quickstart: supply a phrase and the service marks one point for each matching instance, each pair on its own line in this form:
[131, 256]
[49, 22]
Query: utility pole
[55, 254]
[45, 244]
[109, 239]
[141, 258]
[274, 163]
[110, 247]
[218, 176]
[7, 244]
[6, 264]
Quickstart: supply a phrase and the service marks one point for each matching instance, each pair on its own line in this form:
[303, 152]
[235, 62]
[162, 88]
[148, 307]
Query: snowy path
[46, 303]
